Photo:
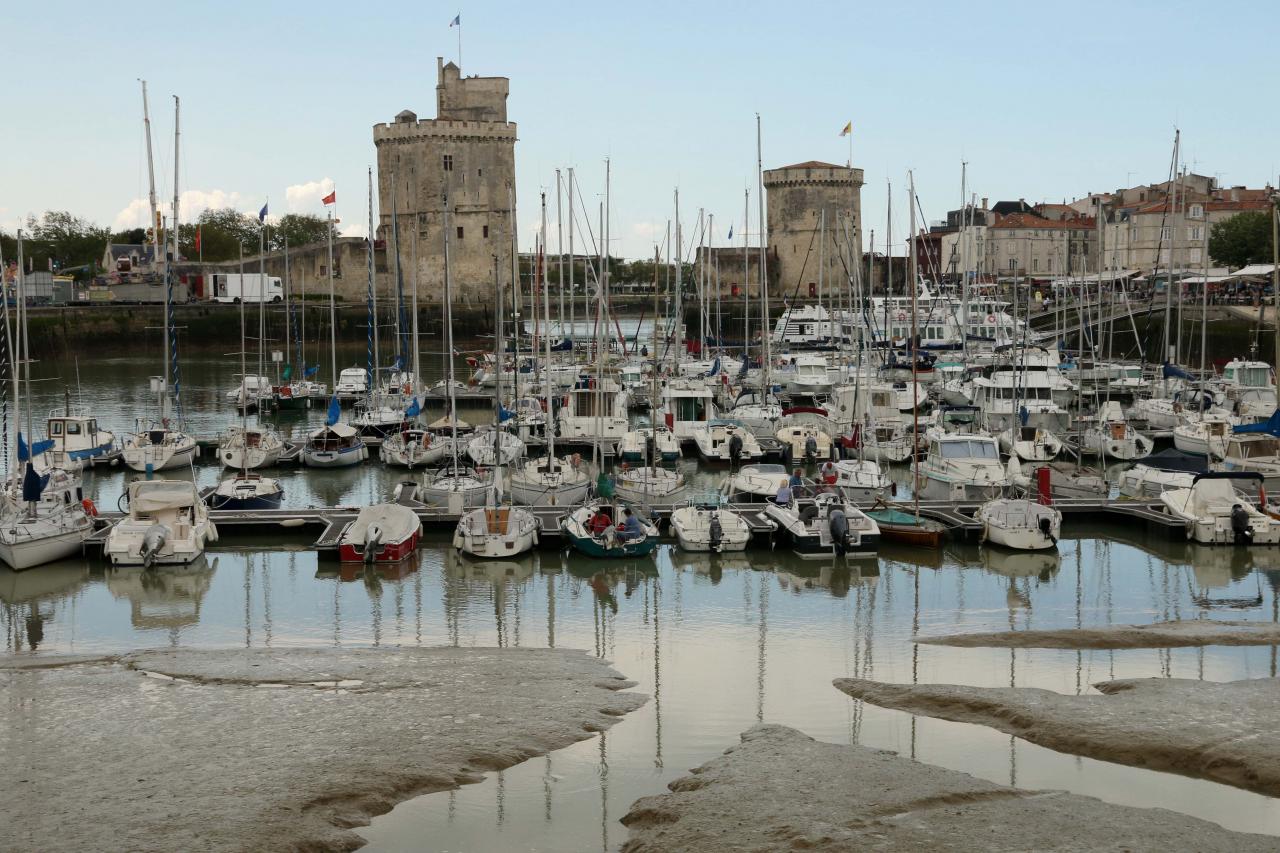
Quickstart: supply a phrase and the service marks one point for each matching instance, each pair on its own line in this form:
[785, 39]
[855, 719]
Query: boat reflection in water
[31, 599]
[163, 597]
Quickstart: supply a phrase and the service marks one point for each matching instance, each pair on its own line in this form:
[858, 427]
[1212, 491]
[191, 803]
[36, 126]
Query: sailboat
[294, 393]
[157, 446]
[453, 485]
[336, 444]
[495, 530]
[43, 517]
[246, 448]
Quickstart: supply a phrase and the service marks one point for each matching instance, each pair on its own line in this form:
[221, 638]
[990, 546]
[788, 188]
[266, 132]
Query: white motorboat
[1216, 514]
[382, 533]
[808, 376]
[861, 480]
[76, 440]
[806, 434]
[635, 445]
[1250, 389]
[252, 389]
[707, 526]
[1259, 452]
[649, 485]
[496, 531]
[1023, 525]
[1030, 444]
[494, 447]
[248, 448]
[825, 525]
[755, 483]
[166, 524]
[335, 445]
[1205, 435]
[44, 518]
[597, 408]
[352, 384]
[159, 449]
[726, 441]
[687, 404]
[455, 487]
[961, 468]
[550, 481]
[1110, 435]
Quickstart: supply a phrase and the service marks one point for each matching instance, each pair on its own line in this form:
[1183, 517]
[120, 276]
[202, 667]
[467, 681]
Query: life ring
[89, 507]
[285, 391]
[902, 315]
[991, 318]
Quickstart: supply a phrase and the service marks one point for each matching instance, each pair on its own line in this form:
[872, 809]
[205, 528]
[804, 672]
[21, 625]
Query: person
[829, 473]
[783, 497]
[631, 528]
[600, 522]
[796, 479]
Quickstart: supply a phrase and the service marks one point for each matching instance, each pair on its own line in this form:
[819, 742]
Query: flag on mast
[457, 20]
[848, 129]
[262, 214]
[331, 198]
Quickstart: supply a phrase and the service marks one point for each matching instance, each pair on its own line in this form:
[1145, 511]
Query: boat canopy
[1271, 426]
[1172, 459]
[340, 430]
[151, 496]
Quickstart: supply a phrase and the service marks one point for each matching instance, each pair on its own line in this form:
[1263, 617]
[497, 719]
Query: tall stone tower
[467, 154]
[796, 197]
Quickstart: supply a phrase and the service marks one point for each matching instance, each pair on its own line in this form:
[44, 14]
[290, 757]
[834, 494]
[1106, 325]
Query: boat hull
[36, 552]
[161, 458]
[343, 458]
[390, 552]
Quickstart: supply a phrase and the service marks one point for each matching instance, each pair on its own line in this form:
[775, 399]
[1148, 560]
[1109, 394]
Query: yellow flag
[848, 129]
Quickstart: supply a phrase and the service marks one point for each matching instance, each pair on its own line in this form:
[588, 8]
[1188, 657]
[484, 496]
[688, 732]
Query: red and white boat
[382, 533]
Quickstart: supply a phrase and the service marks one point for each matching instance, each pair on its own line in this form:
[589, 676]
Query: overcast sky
[1045, 101]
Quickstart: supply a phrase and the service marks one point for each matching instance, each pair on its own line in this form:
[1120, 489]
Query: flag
[457, 20]
[730, 237]
[848, 129]
[330, 198]
[197, 238]
[262, 214]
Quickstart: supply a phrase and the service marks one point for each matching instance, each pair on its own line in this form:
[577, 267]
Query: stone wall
[797, 197]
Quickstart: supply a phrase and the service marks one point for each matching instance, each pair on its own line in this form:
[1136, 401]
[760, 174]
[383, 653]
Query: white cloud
[305, 198]
[137, 214]
[357, 228]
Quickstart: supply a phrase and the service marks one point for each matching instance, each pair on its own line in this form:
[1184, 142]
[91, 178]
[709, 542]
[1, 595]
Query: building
[309, 270]
[1022, 245]
[1173, 231]
[724, 269]
[466, 154]
[800, 200]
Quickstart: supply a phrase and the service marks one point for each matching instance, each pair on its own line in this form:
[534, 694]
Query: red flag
[197, 238]
[330, 198]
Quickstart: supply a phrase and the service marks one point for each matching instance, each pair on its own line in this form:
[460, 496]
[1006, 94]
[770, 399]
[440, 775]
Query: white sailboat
[1020, 524]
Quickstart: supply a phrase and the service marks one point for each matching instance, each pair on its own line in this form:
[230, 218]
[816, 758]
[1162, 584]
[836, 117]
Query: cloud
[137, 214]
[305, 198]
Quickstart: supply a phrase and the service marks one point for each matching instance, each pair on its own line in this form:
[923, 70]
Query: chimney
[984, 202]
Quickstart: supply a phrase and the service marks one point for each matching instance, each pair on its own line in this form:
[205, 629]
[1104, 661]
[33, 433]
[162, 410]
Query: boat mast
[374, 353]
[965, 234]
[1170, 357]
[764, 277]
[448, 340]
[546, 307]
[151, 177]
[288, 307]
[497, 384]
[746, 285]
[395, 248]
[333, 310]
[413, 249]
[244, 399]
[913, 354]
[559, 257]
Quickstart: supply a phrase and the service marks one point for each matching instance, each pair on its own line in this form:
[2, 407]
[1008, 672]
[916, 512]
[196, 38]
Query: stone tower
[467, 153]
[796, 197]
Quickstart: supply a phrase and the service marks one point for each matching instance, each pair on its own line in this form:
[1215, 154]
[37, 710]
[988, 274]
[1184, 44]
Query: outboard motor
[810, 449]
[152, 541]
[715, 532]
[1046, 527]
[372, 540]
[1241, 530]
[735, 449]
[838, 525]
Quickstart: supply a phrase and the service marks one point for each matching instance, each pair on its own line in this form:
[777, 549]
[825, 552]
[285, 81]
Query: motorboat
[861, 480]
[649, 484]
[961, 468]
[412, 448]
[808, 376]
[352, 385]
[382, 533]
[246, 491]
[248, 448]
[44, 520]
[496, 531]
[726, 441]
[494, 447]
[708, 526]
[825, 525]
[593, 530]
[250, 393]
[1159, 472]
[335, 445]
[597, 408]
[1006, 401]
[1020, 524]
[1110, 435]
[1205, 435]
[550, 481]
[159, 448]
[1259, 453]
[77, 440]
[1030, 443]
[166, 524]
[756, 410]
[755, 483]
[635, 445]
[456, 487]
[1216, 514]
[801, 431]
[687, 404]
[1250, 389]
[293, 396]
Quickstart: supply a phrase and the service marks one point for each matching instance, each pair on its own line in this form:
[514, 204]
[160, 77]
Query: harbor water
[716, 643]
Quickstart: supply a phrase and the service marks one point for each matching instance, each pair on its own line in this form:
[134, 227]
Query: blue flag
[414, 409]
[457, 21]
[730, 237]
[33, 484]
[311, 371]
[25, 453]
[335, 411]
[262, 214]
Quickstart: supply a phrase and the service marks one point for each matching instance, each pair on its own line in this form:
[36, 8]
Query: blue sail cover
[414, 409]
[715, 367]
[25, 453]
[335, 411]
[504, 414]
[33, 484]
[311, 371]
[1271, 426]
[1173, 371]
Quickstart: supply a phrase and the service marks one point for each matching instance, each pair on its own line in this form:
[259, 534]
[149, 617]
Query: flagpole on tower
[457, 22]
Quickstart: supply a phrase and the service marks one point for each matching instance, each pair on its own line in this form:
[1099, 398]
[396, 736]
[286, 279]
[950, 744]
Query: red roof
[1030, 220]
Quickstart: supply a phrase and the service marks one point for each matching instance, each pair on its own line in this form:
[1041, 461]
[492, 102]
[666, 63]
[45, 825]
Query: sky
[1043, 101]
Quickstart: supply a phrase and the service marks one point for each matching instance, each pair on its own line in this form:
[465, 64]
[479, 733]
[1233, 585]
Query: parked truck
[250, 287]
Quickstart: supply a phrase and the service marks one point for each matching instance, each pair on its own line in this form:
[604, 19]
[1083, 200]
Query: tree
[1243, 239]
[222, 231]
[134, 236]
[302, 229]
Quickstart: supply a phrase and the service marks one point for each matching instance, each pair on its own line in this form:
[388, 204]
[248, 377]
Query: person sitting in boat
[630, 529]
[783, 497]
[797, 479]
[829, 473]
[600, 522]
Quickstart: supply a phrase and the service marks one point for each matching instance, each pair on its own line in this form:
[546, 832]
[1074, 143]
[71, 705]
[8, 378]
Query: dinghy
[382, 533]
[594, 530]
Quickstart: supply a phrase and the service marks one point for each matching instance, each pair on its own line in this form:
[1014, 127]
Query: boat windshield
[969, 450]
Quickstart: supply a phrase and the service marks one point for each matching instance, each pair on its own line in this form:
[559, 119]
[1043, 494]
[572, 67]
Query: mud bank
[781, 790]
[269, 749]
[1225, 732]
[1158, 635]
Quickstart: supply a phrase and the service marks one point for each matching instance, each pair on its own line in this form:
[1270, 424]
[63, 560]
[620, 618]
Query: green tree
[135, 236]
[1243, 239]
[222, 231]
[301, 229]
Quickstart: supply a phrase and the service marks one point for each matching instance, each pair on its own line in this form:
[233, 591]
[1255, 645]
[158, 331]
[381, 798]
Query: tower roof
[814, 164]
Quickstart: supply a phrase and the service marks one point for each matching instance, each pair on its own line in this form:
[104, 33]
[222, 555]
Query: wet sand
[269, 748]
[1225, 732]
[781, 790]
[1158, 635]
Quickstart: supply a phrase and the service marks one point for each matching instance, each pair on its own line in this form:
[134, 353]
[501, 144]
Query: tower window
[459, 232]
[479, 173]
[485, 232]
[448, 162]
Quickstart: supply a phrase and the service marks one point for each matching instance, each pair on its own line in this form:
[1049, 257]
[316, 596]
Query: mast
[765, 331]
[746, 286]
[151, 175]
[1275, 278]
[288, 306]
[374, 351]
[333, 310]
[915, 387]
[170, 332]
[448, 339]
[515, 305]
[572, 330]
[244, 400]
[559, 255]
[497, 385]
[546, 343]
[417, 349]
[966, 212]
[1169, 356]
[395, 248]
[262, 308]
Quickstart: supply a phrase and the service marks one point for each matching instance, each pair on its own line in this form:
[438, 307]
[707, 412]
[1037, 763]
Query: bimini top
[151, 496]
[1229, 475]
[340, 430]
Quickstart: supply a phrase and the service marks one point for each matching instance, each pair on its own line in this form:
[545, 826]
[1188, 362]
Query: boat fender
[90, 509]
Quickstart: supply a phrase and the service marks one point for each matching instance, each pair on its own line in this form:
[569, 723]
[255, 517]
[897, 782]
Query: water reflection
[163, 598]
